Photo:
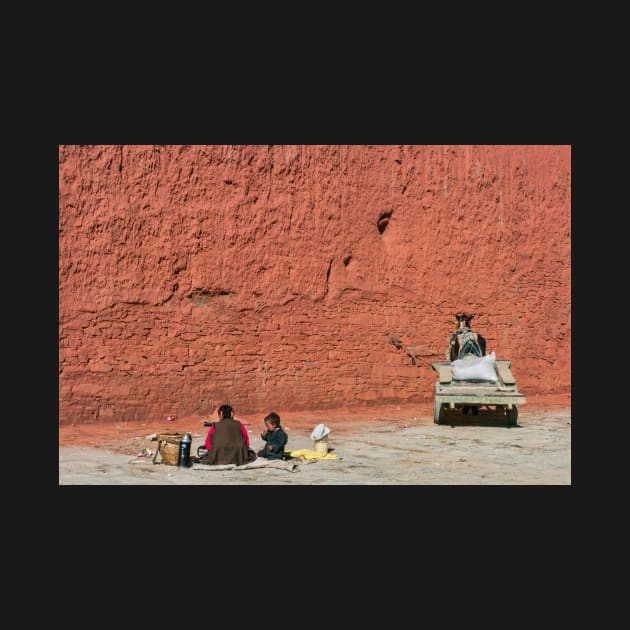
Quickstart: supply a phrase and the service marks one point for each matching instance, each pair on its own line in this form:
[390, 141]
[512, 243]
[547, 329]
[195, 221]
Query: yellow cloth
[309, 454]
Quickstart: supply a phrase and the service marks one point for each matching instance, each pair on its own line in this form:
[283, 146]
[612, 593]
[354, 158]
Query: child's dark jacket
[277, 440]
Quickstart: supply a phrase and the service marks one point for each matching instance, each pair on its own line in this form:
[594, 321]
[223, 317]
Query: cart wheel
[512, 415]
[438, 412]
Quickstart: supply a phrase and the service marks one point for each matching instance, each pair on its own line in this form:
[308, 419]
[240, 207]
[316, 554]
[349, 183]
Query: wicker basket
[168, 447]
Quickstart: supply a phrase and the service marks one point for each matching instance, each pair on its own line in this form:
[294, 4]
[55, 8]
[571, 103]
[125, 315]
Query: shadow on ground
[483, 418]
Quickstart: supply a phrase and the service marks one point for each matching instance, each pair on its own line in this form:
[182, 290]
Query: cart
[451, 395]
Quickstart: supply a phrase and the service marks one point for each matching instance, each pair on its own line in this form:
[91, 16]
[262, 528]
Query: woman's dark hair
[273, 417]
[225, 411]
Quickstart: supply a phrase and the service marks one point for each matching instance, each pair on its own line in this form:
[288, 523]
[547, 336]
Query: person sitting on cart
[464, 341]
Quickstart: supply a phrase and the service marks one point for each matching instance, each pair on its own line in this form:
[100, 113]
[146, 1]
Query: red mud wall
[279, 276]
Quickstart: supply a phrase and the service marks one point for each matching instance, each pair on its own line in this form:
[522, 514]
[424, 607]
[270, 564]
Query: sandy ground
[395, 445]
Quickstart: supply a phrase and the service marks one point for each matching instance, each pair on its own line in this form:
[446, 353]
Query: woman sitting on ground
[227, 441]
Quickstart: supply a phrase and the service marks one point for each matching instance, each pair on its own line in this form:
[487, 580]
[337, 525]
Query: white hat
[320, 432]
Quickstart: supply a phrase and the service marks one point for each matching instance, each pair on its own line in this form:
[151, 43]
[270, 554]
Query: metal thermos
[184, 450]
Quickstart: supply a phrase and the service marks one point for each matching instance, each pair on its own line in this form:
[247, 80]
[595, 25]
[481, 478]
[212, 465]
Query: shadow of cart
[485, 417]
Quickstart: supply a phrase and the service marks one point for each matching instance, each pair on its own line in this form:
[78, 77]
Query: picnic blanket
[290, 466]
[261, 462]
[298, 458]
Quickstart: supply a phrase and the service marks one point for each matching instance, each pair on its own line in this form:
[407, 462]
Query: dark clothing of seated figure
[227, 445]
[464, 341]
[277, 440]
[475, 344]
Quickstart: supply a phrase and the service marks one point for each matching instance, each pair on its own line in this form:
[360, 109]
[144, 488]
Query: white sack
[477, 369]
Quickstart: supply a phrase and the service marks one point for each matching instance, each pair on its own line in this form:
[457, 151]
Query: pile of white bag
[475, 369]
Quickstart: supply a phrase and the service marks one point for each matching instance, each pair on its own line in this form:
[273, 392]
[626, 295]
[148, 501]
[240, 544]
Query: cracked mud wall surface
[306, 276]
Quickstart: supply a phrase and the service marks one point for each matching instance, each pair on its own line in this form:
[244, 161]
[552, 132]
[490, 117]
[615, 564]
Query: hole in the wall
[383, 221]
[346, 260]
[204, 296]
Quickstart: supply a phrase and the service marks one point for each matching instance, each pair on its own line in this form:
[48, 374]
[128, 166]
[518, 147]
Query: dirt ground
[396, 445]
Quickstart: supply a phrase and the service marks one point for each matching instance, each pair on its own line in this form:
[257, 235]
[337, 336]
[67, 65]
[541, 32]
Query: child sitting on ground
[275, 438]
